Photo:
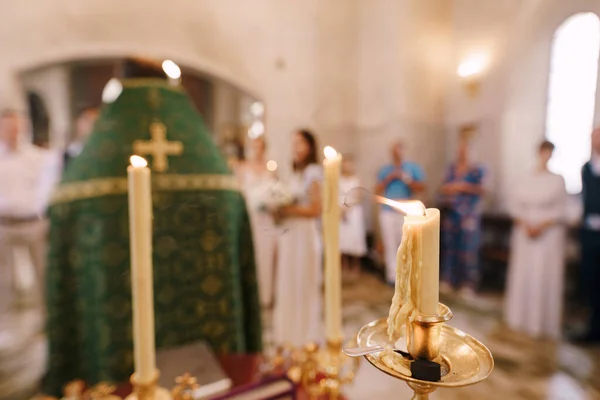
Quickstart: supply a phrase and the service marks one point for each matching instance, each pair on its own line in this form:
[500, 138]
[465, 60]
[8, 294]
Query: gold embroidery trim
[152, 82]
[112, 186]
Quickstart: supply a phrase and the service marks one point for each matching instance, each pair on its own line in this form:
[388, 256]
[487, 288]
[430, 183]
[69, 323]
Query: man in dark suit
[590, 239]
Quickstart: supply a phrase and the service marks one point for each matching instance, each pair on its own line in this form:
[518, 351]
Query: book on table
[199, 361]
[274, 388]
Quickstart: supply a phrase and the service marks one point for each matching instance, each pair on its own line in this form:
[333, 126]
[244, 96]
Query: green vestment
[204, 271]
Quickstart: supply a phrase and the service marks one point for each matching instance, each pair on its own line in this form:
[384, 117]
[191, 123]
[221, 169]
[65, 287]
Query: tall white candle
[140, 231]
[427, 234]
[418, 265]
[331, 215]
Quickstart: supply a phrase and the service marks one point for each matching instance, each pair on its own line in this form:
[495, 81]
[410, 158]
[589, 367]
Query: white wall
[512, 104]
[240, 42]
[360, 73]
[401, 79]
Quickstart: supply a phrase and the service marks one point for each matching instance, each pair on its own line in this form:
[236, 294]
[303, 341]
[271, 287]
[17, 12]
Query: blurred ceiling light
[257, 109]
[171, 69]
[471, 69]
[472, 66]
[256, 129]
[112, 90]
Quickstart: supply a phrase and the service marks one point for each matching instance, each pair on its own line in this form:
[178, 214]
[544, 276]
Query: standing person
[28, 176]
[205, 286]
[297, 312]
[353, 243]
[400, 180]
[462, 192]
[83, 128]
[254, 175]
[590, 239]
[534, 298]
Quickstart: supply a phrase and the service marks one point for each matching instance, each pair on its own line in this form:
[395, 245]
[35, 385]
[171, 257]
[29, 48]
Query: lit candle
[140, 232]
[426, 229]
[331, 214]
[418, 265]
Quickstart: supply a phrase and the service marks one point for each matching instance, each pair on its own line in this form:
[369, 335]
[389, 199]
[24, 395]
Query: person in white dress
[297, 310]
[534, 300]
[254, 175]
[353, 243]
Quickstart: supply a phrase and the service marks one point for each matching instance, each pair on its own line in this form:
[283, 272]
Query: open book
[199, 361]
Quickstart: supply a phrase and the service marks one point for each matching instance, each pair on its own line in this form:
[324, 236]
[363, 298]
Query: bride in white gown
[534, 299]
[254, 174]
[297, 311]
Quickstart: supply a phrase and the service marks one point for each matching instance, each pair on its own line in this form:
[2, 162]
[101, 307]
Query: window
[572, 95]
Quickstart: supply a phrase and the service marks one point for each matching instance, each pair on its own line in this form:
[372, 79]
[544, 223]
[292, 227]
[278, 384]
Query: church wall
[511, 105]
[400, 86]
[361, 74]
[278, 51]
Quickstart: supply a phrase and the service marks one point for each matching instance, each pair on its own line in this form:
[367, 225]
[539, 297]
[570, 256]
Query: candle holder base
[463, 359]
[323, 371]
[159, 394]
[149, 390]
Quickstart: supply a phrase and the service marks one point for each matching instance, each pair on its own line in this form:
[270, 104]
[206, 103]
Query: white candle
[427, 234]
[331, 214]
[140, 231]
[418, 265]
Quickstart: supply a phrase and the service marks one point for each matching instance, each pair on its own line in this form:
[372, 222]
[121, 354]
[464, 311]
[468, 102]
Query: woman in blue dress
[462, 191]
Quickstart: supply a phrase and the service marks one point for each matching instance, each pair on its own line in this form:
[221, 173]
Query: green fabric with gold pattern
[204, 270]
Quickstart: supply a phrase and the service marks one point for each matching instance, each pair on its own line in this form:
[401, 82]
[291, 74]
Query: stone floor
[525, 368]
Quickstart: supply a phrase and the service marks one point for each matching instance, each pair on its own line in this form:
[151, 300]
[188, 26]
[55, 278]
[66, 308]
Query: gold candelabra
[183, 390]
[462, 359]
[320, 371]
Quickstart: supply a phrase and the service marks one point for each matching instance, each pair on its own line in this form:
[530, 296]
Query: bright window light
[572, 95]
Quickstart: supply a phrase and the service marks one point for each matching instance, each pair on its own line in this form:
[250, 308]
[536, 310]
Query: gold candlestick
[147, 390]
[183, 390]
[463, 359]
[323, 371]
[423, 339]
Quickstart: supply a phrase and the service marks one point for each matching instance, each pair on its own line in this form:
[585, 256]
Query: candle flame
[329, 152]
[138, 162]
[410, 207]
[272, 165]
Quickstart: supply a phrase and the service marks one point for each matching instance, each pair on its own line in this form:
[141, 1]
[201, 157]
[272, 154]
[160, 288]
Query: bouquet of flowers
[270, 196]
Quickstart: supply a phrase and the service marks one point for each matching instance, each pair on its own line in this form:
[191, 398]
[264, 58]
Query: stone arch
[197, 62]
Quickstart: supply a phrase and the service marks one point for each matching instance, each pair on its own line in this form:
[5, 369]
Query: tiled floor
[525, 369]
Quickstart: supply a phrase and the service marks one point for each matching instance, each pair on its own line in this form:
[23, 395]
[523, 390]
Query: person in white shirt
[28, 177]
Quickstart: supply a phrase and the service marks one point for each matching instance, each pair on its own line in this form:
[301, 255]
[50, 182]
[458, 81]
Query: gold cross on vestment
[158, 147]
